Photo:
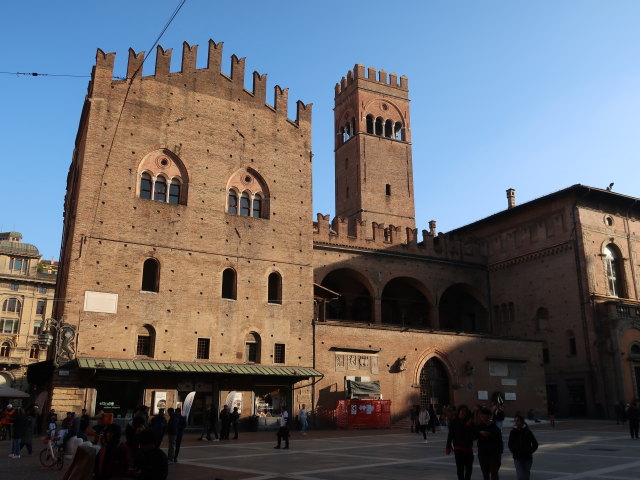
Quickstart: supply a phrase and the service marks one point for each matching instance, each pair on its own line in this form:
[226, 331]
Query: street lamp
[62, 337]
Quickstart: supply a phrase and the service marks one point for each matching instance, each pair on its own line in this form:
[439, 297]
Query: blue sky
[535, 95]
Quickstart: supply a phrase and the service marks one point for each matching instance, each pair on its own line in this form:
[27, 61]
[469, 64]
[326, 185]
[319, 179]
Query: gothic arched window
[613, 271]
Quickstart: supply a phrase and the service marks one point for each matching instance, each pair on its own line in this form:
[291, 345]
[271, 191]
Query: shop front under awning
[160, 366]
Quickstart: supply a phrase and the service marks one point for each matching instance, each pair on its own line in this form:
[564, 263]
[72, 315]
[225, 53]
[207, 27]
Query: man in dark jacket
[634, 418]
[460, 438]
[182, 424]
[172, 433]
[159, 425]
[522, 444]
[225, 423]
[490, 445]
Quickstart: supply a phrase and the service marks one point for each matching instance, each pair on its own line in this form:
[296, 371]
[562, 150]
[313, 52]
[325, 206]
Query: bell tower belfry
[373, 169]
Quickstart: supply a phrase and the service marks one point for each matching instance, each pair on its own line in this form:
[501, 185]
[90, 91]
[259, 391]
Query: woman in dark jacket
[490, 445]
[522, 444]
[460, 438]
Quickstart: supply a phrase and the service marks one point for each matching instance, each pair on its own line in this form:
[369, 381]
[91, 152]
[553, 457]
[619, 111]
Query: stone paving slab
[585, 450]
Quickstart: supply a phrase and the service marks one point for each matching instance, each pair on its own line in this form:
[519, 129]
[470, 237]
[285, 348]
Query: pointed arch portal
[434, 384]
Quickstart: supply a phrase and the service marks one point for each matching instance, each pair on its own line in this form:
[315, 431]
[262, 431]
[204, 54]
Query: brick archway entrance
[434, 384]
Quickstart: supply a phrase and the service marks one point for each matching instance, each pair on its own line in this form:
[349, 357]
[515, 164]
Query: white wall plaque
[100, 302]
[509, 381]
[483, 395]
[509, 395]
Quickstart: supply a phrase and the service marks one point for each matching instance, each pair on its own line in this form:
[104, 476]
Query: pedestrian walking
[172, 434]
[423, 421]
[225, 423]
[433, 419]
[490, 445]
[633, 418]
[413, 414]
[498, 416]
[210, 425]
[551, 413]
[522, 444]
[460, 439]
[302, 418]
[233, 418]
[283, 428]
[158, 425]
[85, 420]
[27, 437]
[182, 424]
[18, 431]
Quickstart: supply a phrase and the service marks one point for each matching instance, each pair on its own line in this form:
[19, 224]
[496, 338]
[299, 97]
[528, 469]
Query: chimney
[511, 198]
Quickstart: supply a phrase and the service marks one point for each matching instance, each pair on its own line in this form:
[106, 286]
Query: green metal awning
[195, 367]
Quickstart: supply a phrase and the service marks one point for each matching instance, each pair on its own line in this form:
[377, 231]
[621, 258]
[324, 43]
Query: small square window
[42, 290]
[202, 352]
[278, 353]
[15, 287]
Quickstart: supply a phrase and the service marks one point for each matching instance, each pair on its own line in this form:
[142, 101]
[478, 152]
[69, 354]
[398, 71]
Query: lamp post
[61, 336]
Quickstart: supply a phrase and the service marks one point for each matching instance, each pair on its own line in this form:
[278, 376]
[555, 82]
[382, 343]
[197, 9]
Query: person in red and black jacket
[460, 439]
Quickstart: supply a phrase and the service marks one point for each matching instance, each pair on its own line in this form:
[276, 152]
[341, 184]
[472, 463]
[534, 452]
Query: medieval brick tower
[374, 175]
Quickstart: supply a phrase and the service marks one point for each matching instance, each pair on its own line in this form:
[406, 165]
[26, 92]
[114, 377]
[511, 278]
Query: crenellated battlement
[371, 75]
[208, 80]
[377, 236]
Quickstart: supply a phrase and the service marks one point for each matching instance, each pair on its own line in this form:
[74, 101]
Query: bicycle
[52, 456]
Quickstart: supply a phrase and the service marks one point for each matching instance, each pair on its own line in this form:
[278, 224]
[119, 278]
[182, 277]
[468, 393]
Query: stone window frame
[614, 270]
[145, 341]
[166, 166]
[203, 348]
[13, 330]
[247, 184]
[41, 306]
[274, 288]
[24, 264]
[229, 284]
[252, 341]
[12, 305]
[150, 280]
[279, 353]
[251, 198]
[161, 179]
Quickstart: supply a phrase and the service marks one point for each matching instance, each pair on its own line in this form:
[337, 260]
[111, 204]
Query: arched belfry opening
[355, 303]
[434, 384]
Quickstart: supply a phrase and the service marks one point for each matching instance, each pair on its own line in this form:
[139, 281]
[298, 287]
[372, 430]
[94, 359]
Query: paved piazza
[573, 450]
